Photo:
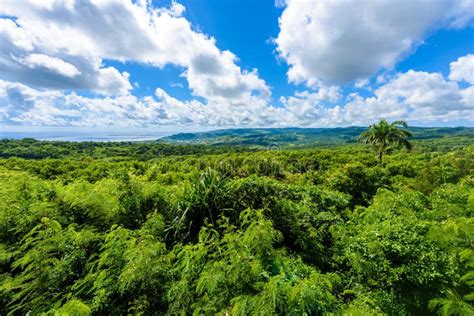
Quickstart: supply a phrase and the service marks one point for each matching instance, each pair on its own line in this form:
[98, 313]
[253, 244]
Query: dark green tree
[385, 136]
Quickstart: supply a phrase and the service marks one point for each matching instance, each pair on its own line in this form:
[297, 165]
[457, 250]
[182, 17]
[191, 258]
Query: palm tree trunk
[380, 156]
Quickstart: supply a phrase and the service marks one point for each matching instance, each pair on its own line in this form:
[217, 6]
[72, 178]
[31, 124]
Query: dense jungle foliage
[116, 229]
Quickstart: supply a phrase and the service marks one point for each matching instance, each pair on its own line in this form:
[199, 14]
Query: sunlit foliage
[218, 232]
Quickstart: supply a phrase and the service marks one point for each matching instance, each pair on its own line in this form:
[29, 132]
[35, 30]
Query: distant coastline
[291, 136]
[83, 136]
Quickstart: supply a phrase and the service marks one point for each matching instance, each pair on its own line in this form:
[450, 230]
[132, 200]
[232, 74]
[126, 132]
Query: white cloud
[468, 96]
[415, 96]
[56, 46]
[382, 78]
[80, 31]
[22, 105]
[307, 108]
[176, 85]
[338, 41]
[361, 83]
[23, 59]
[463, 69]
[421, 90]
[51, 63]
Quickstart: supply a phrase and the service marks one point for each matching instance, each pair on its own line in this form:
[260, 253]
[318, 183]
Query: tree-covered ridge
[221, 141]
[314, 231]
[29, 148]
[301, 137]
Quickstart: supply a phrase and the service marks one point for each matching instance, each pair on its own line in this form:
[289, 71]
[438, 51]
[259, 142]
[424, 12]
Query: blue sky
[213, 64]
[248, 34]
[244, 31]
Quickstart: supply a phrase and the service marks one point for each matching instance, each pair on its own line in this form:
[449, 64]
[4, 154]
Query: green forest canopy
[300, 137]
[152, 228]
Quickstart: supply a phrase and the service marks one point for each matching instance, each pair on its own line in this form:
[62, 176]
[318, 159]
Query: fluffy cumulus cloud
[463, 69]
[339, 41]
[415, 96]
[53, 64]
[52, 49]
[27, 59]
[28, 106]
[61, 45]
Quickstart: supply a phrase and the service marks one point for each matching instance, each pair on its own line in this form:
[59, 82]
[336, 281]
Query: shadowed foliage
[270, 232]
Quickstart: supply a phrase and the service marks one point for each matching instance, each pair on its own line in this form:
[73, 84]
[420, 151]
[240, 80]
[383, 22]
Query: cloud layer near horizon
[52, 51]
[414, 96]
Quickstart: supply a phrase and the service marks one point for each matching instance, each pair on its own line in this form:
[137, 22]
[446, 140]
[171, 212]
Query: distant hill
[299, 137]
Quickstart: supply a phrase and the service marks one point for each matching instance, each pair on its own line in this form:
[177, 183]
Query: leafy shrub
[152, 229]
[360, 182]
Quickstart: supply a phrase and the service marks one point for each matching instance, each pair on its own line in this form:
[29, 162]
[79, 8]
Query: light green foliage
[93, 203]
[49, 259]
[131, 264]
[73, 307]
[24, 201]
[388, 250]
[155, 229]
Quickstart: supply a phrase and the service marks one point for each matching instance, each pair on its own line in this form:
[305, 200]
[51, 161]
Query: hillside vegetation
[300, 137]
[118, 228]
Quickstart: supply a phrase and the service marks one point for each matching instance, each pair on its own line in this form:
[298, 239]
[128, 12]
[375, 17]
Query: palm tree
[385, 136]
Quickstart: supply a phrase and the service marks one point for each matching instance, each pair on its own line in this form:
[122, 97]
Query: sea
[81, 134]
